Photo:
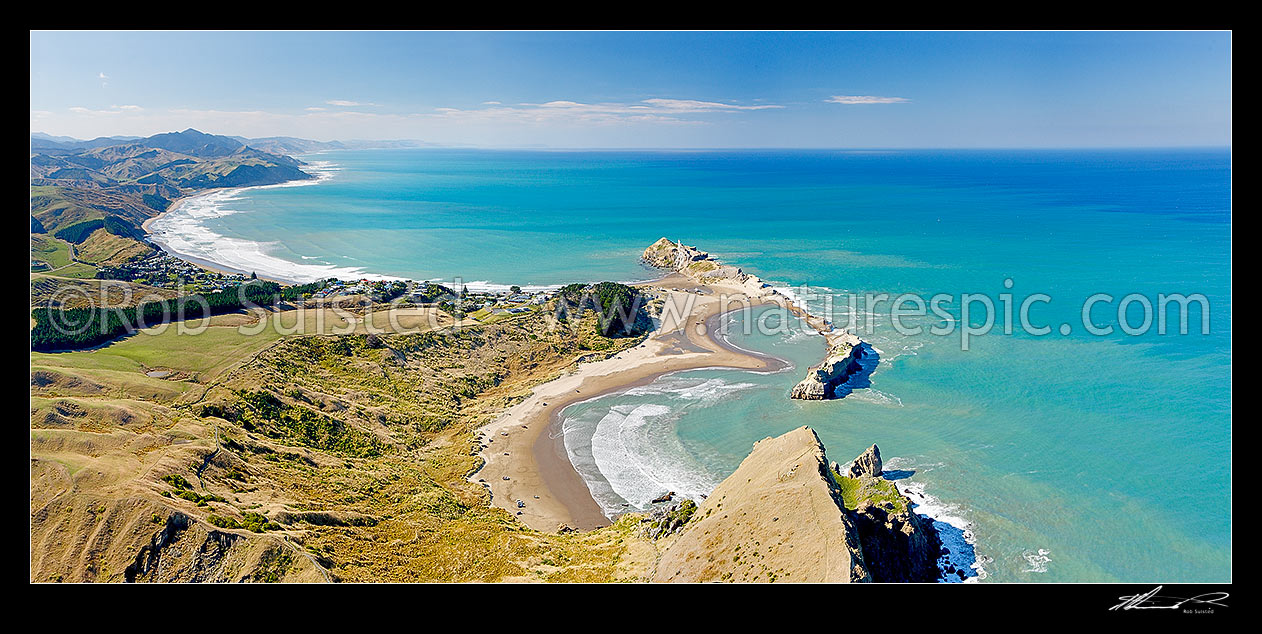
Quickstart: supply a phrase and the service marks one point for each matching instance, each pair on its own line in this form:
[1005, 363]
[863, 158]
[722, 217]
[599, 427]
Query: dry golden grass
[105, 432]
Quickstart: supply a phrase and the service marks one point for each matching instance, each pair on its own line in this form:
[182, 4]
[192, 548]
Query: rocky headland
[786, 515]
[846, 351]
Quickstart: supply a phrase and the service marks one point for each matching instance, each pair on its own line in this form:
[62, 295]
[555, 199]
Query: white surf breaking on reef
[1037, 560]
[959, 561]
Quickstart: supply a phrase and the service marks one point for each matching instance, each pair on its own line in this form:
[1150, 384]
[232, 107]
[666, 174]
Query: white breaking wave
[956, 533]
[872, 395]
[1037, 559]
[706, 392]
[183, 232]
[632, 454]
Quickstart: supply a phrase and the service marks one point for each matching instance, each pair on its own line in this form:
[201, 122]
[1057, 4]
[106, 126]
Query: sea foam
[959, 543]
[183, 231]
[629, 453]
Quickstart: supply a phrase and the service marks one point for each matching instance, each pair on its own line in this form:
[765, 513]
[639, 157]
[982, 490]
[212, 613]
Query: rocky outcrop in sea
[843, 361]
[845, 350]
[867, 465]
[899, 545]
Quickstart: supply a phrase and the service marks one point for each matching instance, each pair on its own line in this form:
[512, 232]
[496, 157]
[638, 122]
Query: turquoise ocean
[1056, 457]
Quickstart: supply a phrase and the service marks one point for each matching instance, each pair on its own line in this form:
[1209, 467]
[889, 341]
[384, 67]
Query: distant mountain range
[83, 190]
[48, 143]
[186, 160]
[99, 192]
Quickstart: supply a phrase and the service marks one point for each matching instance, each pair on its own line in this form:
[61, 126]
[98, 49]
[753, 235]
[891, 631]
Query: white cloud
[342, 103]
[113, 110]
[850, 100]
[559, 122]
[657, 110]
[692, 105]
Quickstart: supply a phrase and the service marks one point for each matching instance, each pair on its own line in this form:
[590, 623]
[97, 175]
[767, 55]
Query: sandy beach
[524, 448]
[200, 262]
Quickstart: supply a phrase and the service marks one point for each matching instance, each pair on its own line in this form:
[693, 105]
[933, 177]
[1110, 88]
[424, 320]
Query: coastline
[526, 445]
[537, 466]
[214, 267]
[318, 177]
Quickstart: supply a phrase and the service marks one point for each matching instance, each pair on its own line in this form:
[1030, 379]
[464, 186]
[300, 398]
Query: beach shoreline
[212, 265]
[524, 452]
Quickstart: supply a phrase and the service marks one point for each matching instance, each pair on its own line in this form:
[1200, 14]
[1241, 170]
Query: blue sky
[582, 89]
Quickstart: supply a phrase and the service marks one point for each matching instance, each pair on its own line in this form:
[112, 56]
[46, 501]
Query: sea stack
[899, 545]
[841, 363]
[867, 465]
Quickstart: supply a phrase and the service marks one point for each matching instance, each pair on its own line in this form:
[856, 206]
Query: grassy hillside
[52, 252]
[65, 211]
[105, 248]
[353, 448]
[82, 292]
[53, 260]
[78, 190]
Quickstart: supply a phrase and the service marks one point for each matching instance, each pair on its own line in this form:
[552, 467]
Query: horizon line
[430, 145]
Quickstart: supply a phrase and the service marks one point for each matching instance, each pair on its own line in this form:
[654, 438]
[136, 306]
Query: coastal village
[163, 270]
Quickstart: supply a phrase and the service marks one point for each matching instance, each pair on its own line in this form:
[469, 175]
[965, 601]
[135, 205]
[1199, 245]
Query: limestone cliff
[842, 362]
[779, 517]
[784, 515]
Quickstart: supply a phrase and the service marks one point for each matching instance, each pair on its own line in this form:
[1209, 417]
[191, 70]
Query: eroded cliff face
[779, 517]
[842, 362]
[185, 551]
[785, 515]
[899, 545]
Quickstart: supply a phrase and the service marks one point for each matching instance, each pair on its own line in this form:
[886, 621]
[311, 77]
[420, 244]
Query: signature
[1153, 601]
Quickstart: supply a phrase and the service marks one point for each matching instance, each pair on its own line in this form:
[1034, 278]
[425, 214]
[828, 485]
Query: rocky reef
[787, 515]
